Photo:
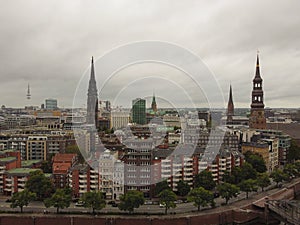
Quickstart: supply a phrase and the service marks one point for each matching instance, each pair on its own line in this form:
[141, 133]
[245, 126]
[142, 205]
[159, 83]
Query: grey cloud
[49, 44]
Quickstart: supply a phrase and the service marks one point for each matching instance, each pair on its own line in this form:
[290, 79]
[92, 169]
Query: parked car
[179, 201]
[216, 194]
[111, 202]
[162, 205]
[114, 204]
[79, 203]
[148, 202]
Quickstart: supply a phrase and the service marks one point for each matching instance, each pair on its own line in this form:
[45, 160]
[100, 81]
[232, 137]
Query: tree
[256, 161]
[60, 199]
[167, 198]
[293, 152]
[93, 200]
[39, 184]
[47, 166]
[131, 200]
[247, 172]
[74, 149]
[21, 199]
[201, 197]
[160, 186]
[205, 179]
[183, 188]
[248, 186]
[278, 176]
[228, 191]
[263, 180]
[290, 170]
[227, 177]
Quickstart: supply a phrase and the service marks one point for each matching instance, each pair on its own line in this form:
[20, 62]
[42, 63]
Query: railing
[288, 210]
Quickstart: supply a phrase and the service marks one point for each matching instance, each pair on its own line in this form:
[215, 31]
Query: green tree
[293, 152]
[167, 198]
[201, 197]
[247, 172]
[183, 188]
[248, 186]
[263, 180]
[297, 166]
[60, 199]
[21, 199]
[233, 176]
[290, 170]
[39, 184]
[160, 186]
[93, 200]
[256, 161]
[131, 200]
[236, 175]
[74, 149]
[228, 191]
[46, 166]
[205, 179]
[278, 176]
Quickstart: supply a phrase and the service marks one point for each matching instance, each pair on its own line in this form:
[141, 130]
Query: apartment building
[83, 178]
[225, 160]
[62, 163]
[14, 180]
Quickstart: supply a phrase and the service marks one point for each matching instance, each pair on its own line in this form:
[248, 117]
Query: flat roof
[20, 171]
[28, 163]
[7, 159]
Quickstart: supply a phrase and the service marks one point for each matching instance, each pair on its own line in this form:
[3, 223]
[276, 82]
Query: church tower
[153, 104]
[92, 101]
[257, 118]
[230, 108]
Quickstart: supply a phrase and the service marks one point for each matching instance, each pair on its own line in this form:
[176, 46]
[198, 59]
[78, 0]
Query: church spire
[257, 118]
[153, 104]
[230, 107]
[92, 101]
[257, 73]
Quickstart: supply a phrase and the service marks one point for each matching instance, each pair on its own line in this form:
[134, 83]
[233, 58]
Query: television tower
[28, 92]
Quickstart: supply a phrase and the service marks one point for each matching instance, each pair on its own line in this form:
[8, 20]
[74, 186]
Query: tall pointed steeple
[257, 118]
[257, 73]
[230, 107]
[92, 101]
[153, 104]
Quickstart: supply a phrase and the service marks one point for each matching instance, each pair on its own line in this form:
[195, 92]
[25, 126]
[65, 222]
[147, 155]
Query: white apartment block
[177, 168]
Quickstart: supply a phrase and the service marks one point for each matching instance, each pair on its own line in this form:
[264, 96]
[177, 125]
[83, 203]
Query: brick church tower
[230, 108]
[257, 118]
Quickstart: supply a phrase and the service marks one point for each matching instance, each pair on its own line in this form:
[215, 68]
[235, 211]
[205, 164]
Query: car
[216, 194]
[114, 204]
[162, 205]
[148, 202]
[179, 201]
[79, 203]
[111, 202]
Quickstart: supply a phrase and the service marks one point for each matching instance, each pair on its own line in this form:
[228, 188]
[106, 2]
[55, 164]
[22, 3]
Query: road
[39, 207]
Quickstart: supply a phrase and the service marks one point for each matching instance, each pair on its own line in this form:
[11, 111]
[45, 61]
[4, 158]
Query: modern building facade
[51, 104]
[139, 111]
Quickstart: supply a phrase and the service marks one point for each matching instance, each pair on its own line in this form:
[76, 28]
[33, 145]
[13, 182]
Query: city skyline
[30, 43]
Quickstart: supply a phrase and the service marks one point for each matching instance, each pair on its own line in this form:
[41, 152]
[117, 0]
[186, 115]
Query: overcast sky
[49, 44]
